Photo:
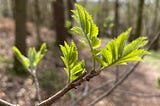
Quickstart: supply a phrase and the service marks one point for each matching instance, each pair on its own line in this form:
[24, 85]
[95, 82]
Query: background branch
[5, 103]
[123, 78]
[141, 95]
[92, 91]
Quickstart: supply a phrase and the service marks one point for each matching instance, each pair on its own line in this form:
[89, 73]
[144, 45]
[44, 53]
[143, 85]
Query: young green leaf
[86, 27]
[33, 57]
[40, 53]
[24, 60]
[118, 52]
[122, 40]
[96, 42]
[70, 58]
[136, 44]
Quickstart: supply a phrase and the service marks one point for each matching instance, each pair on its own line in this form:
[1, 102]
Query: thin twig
[123, 78]
[92, 91]
[33, 73]
[140, 95]
[5, 103]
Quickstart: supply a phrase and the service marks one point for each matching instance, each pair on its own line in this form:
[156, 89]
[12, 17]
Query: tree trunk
[20, 30]
[37, 21]
[70, 5]
[59, 19]
[116, 19]
[139, 21]
[155, 25]
[129, 12]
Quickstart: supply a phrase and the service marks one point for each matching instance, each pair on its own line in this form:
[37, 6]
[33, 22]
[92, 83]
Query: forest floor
[134, 91]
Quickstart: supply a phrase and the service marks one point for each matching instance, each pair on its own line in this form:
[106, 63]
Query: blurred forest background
[27, 23]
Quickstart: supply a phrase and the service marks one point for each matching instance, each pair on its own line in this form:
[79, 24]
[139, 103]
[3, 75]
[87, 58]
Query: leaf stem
[91, 48]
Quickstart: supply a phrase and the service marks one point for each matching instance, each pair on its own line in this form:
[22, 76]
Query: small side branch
[140, 95]
[5, 103]
[37, 88]
[34, 76]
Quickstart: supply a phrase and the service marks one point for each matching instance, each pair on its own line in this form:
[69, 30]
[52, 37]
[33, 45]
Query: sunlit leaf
[96, 42]
[136, 44]
[70, 58]
[34, 57]
[24, 60]
[118, 52]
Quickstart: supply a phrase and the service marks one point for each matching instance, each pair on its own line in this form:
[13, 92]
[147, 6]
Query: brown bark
[116, 19]
[20, 30]
[37, 21]
[70, 6]
[74, 84]
[155, 25]
[59, 19]
[139, 21]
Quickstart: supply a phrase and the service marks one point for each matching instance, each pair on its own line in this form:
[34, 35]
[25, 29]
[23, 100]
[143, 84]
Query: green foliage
[115, 53]
[24, 60]
[70, 59]
[86, 27]
[118, 52]
[68, 24]
[33, 58]
[108, 23]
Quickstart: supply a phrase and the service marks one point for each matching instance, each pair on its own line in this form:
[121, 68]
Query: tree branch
[141, 95]
[37, 86]
[87, 77]
[67, 88]
[5, 103]
[33, 73]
